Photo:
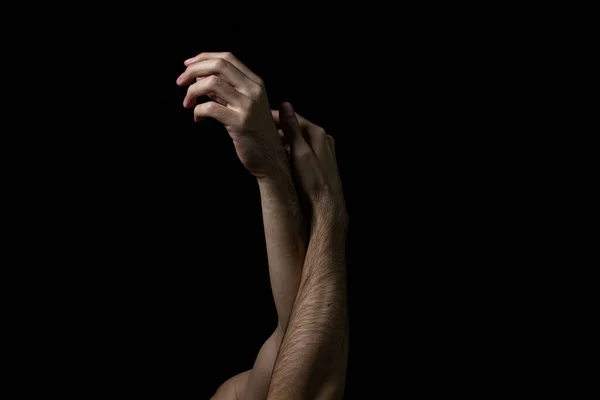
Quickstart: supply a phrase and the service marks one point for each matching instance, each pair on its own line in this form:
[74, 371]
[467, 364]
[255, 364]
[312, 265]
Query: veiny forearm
[285, 237]
[314, 347]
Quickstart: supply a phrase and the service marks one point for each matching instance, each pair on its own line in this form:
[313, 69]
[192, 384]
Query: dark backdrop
[168, 291]
[191, 229]
[191, 297]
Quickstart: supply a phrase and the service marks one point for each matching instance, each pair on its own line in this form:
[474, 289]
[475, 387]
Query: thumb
[291, 127]
[303, 160]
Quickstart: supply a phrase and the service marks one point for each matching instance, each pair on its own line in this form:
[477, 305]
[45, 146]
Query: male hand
[312, 155]
[240, 104]
[313, 355]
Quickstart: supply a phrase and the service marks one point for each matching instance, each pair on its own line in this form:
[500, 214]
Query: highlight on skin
[305, 223]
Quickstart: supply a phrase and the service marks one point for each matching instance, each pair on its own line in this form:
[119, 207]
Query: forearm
[314, 347]
[285, 237]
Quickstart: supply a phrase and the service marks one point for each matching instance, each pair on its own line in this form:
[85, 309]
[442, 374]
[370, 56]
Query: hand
[312, 155]
[240, 104]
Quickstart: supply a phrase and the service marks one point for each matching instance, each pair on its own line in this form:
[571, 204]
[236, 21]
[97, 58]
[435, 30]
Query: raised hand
[313, 355]
[240, 103]
[312, 154]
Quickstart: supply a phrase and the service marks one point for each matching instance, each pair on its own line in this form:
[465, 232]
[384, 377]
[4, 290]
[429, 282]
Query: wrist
[278, 181]
[331, 226]
[330, 214]
[277, 191]
[278, 172]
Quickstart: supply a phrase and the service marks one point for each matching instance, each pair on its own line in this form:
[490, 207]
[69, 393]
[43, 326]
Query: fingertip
[286, 107]
[189, 61]
[197, 118]
[288, 114]
[275, 115]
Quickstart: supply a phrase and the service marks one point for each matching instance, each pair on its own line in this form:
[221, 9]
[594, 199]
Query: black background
[191, 226]
[139, 248]
[198, 304]
[172, 293]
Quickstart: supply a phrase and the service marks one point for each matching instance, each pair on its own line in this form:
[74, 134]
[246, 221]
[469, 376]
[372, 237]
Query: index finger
[227, 56]
[304, 123]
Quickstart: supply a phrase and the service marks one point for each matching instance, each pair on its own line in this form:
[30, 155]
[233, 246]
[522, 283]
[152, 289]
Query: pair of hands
[262, 136]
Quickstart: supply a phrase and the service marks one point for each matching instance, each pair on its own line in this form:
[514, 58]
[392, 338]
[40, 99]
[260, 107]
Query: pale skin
[240, 103]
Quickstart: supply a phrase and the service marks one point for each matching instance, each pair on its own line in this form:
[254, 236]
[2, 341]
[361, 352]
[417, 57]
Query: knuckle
[260, 82]
[192, 89]
[303, 153]
[210, 107]
[220, 64]
[256, 91]
[244, 119]
[320, 132]
[193, 68]
[245, 103]
[214, 80]
[228, 55]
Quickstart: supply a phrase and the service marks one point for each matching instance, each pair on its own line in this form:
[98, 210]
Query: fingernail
[188, 60]
[180, 79]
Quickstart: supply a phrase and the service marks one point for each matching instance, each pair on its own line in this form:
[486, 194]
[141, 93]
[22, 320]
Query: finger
[291, 128]
[224, 115]
[313, 134]
[214, 87]
[304, 158]
[284, 142]
[215, 98]
[275, 115]
[306, 166]
[319, 142]
[277, 119]
[228, 57]
[219, 67]
[303, 122]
